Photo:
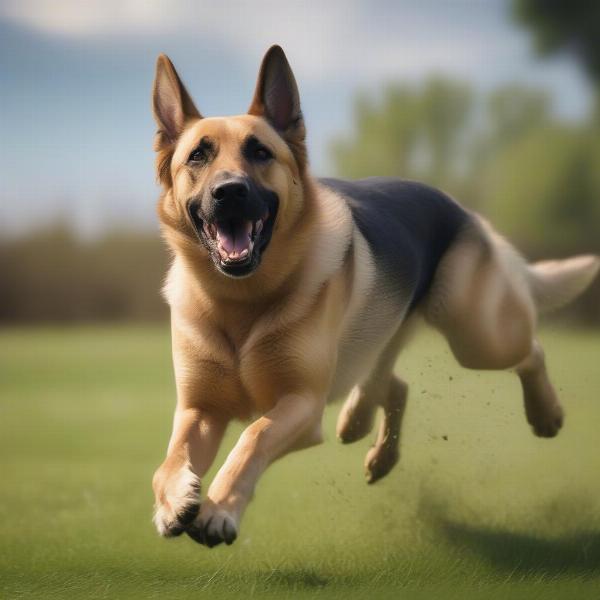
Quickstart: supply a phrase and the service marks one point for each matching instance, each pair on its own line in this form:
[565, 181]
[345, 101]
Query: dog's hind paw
[549, 423]
[355, 420]
[379, 461]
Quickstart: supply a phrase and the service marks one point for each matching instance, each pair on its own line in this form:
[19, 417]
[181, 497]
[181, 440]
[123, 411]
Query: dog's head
[231, 182]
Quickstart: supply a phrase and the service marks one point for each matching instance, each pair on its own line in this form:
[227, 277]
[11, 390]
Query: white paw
[213, 525]
[177, 504]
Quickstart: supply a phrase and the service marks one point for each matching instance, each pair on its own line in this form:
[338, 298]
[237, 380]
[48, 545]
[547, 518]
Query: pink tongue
[234, 237]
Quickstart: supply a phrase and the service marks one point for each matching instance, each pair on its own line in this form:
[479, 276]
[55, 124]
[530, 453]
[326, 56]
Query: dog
[286, 291]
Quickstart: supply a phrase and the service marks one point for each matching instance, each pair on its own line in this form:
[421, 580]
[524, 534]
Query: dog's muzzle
[237, 223]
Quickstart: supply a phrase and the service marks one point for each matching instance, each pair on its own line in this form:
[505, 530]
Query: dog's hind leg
[481, 300]
[542, 408]
[357, 416]
[381, 389]
[385, 453]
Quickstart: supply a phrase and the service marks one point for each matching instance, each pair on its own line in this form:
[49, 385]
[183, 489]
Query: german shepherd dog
[286, 291]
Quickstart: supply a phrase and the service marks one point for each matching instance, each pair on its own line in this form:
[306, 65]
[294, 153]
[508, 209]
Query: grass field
[477, 508]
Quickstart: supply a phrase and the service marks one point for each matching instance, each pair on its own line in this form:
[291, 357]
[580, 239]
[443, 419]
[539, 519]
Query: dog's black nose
[230, 189]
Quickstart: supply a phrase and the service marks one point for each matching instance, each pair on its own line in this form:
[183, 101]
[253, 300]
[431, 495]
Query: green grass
[489, 512]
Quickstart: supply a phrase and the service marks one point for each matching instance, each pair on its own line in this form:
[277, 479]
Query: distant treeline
[53, 275]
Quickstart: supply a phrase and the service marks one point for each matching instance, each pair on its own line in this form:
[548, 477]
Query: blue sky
[75, 76]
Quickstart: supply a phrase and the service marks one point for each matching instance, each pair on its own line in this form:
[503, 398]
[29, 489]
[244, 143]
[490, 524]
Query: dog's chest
[244, 369]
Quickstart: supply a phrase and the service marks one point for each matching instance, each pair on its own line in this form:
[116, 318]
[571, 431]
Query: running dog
[286, 291]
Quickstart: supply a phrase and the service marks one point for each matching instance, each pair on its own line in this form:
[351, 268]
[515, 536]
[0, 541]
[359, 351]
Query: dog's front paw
[177, 501]
[213, 525]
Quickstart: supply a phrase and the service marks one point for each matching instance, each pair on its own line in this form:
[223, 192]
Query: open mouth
[237, 243]
[234, 239]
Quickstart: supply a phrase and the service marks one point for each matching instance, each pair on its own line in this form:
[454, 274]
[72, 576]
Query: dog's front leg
[294, 423]
[193, 446]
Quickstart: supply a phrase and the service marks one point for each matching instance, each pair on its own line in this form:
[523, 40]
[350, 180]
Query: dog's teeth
[258, 227]
[244, 252]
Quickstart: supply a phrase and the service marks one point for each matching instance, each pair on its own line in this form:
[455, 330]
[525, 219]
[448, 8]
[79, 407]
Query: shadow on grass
[576, 552]
[564, 535]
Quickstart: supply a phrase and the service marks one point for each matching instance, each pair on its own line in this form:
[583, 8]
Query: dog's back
[408, 226]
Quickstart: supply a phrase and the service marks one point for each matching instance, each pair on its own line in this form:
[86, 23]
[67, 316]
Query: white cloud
[335, 38]
[229, 18]
[93, 17]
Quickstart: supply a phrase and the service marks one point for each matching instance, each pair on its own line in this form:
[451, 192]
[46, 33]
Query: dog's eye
[253, 150]
[202, 153]
[198, 155]
[262, 154]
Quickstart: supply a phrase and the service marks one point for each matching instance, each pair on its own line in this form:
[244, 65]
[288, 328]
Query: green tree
[513, 110]
[536, 190]
[445, 114]
[565, 25]
[409, 132]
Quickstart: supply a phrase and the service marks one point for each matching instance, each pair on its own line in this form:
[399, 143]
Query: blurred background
[496, 102]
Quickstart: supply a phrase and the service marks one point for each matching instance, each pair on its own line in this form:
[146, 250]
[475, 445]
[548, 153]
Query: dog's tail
[555, 283]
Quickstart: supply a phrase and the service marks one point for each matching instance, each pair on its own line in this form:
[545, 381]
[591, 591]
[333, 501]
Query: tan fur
[273, 347]
[481, 302]
[555, 283]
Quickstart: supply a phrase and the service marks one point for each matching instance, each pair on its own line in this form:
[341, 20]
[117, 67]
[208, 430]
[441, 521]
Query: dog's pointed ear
[276, 96]
[171, 103]
[172, 107]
